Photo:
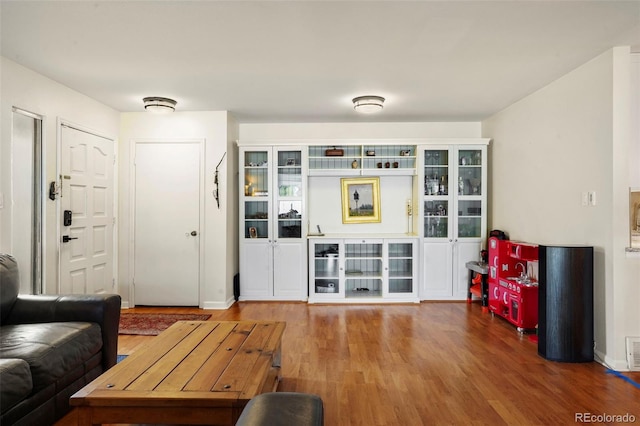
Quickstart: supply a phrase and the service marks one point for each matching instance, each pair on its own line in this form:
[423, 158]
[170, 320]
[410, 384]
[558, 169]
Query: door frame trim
[133, 143]
[62, 122]
[38, 266]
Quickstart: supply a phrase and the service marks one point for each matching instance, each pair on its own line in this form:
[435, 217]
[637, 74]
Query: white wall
[30, 91]
[325, 206]
[220, 250]
[319, 132]
[634, 157]
[567, 138]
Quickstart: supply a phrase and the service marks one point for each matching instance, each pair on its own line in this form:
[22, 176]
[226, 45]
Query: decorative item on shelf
[334, 152]
[478, 158]
[395, 164]
[475, 185]
[354, 164]
[387, 165]
[329, 288]
[253, 232]
[290, 162]
[405, 152]
[379, 165]
[371, 153]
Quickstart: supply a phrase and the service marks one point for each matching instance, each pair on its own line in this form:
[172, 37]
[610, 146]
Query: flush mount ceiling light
[368, 104]
[158, 104]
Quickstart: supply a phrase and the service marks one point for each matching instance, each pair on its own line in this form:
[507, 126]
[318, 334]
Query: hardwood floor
[432, 363]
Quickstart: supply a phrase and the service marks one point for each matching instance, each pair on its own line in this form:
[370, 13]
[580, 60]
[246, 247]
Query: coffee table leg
[84, 416]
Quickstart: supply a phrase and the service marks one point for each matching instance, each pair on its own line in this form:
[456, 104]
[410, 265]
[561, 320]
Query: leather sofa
[50, 347]
[283, 409]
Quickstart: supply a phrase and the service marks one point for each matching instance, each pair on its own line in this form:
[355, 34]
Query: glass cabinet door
[289, 194]
[326, 260]
[400, 267]
[363, 269]
[436, 192]
[470, 172]
[256, 194]
[469, 191]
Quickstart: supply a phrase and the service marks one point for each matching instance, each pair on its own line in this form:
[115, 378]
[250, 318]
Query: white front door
[86, 212]
[167, 223]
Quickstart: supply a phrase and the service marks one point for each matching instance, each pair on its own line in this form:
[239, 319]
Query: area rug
[154, 324]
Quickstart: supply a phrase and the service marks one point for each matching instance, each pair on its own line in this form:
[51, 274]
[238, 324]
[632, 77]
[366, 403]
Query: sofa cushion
[9, 284]
[283, 409]
[15, 377]
[51, 349]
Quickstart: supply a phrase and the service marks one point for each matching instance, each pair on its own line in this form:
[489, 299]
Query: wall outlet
[592, 198]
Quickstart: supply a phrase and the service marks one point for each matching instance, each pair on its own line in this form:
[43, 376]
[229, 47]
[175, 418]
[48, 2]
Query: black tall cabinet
[565, 303]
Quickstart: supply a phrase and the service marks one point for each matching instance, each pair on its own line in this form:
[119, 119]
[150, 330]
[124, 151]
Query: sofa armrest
[103, 309]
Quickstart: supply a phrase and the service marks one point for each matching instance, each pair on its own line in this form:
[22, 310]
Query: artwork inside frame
[361, 200]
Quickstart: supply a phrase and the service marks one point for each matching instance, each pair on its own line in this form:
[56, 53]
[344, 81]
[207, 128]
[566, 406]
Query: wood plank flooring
[425, 364]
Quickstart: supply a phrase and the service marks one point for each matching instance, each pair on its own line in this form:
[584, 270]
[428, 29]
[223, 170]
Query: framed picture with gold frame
[360, 200]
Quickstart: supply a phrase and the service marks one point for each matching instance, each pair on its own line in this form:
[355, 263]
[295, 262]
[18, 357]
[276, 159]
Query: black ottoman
[283, 409]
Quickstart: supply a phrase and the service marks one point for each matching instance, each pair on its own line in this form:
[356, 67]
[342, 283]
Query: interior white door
[86, 249]
[167, 223]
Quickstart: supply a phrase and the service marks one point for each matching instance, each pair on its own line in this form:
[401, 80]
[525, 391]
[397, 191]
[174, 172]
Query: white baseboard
[219, 305]
[613, 364]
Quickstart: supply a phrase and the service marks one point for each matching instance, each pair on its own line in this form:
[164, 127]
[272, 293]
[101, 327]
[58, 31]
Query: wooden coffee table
[195, 372]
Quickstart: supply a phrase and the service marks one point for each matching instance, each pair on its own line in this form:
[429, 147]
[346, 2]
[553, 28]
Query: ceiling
[303, 61]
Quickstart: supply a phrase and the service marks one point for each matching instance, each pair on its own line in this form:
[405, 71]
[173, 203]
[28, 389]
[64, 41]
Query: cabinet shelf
[364, 293]
[387, 160]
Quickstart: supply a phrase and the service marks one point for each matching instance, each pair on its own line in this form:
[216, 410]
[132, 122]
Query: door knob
[194, 233]
[66, 238]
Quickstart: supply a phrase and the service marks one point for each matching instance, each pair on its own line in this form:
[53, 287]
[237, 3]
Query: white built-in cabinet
[445, 211]
[453, 200]
[273, 253]
[363, 270]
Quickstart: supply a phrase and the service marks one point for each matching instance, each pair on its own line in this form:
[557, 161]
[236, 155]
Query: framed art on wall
[360, 200]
